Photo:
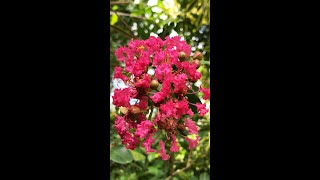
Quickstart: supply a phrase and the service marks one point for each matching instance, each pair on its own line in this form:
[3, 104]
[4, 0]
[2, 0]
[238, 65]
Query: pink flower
[182, 109]
[162, 71]
[157, 97]
[143, 83]
[166, 86]
[201, 108]
[120, 53]
[174, 146]
[143, 104]
[121, 97]
[179, 44]
[118, 73]
[120, 125]
[143, 129]
[158, 58]
[129, 141]
[192, 143]
[154, 43]
[191, 70]
[168, 109]
[190, 113]
[162, 151]
[206, 93]
[180, 83]
[148, 142]
[192, 128]
[159, 117]
[174, 77]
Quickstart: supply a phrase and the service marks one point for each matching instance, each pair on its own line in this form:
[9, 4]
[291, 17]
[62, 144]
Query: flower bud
[161, 124]
[181, 127]
[123, 110]
[197, 55]
[182, 56]
[135, 110]
[154, 84]
[198, 63]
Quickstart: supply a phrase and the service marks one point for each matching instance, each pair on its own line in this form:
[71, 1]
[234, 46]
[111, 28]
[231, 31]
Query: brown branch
[126, 14]
[126, 25]
[122, 31]
[119, 2]
[183, 169]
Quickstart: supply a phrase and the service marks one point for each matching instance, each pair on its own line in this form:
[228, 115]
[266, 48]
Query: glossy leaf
[113, 19]
[193, 98]
[137, 156]
[120, 154]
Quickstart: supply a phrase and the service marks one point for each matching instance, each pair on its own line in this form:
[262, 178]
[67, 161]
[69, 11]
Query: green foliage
[189, 19]
[193, 99]
[120, 154]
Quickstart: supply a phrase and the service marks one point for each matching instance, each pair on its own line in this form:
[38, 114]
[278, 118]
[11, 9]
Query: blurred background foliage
[140, 19]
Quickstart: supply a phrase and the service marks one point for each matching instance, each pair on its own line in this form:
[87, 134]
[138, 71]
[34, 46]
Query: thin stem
[192, 93]
[122, 31]
[119, 2]
[191, 103]
[125, 24]
[171, 165]
[181, 134]
[157, 136]
[126, 14]
[183, 169]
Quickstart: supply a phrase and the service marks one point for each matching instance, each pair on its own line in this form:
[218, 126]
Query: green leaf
[205, 62]
[150, 103]
[115, 7]
[153, 170]
[120, 154]
[204, 176]
[151, 156]
[183, 175]
[113, 19]
[193, 99]
[137, 156]
[192, 4]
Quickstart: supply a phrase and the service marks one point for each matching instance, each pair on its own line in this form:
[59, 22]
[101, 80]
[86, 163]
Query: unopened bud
[182, 56]
[197, 55]
[181, 127]
[123, 110]
[198, 63]
[154, 84]
[135, 110]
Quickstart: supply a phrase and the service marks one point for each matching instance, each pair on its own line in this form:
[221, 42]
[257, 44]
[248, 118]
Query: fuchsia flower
[121, 97]
[193, 143]
[172, 77]
[174, 147]
[201, 108]
[206, 93]
[148, 142]
[192, 128]
[143, 129]
[162, 151]
[118, 73]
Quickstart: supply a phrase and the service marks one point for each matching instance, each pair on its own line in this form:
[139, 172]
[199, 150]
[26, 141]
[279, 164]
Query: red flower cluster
[164, 90]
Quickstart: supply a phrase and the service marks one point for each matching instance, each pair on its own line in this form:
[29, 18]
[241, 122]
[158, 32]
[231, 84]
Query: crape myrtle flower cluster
[164, 90]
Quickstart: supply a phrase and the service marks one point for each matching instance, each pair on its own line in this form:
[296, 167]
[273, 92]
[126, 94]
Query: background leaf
[120, 154]
[204, 176]
[113, 19]
[137, 156]
[193, 98]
